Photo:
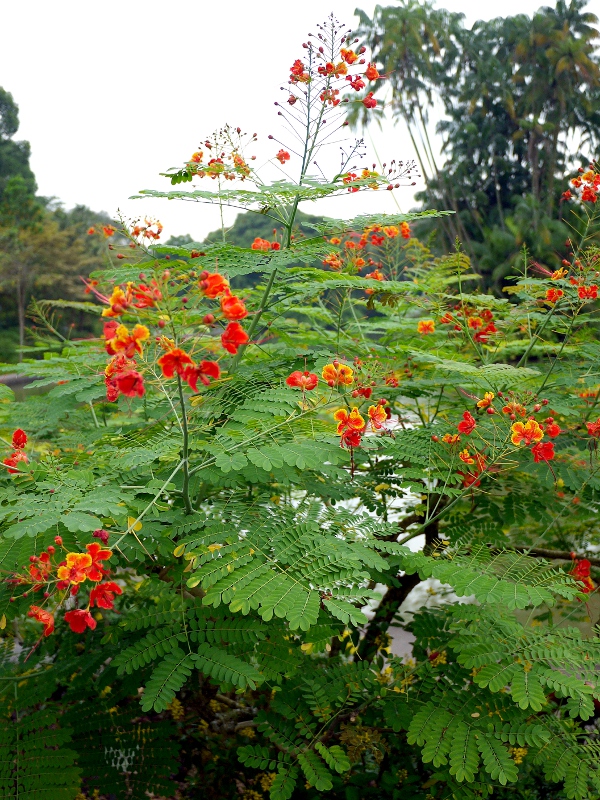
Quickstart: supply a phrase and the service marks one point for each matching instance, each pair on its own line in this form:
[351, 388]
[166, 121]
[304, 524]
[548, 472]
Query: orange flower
[118, 302]
[95, 552]
[338, 374]
[78, 620]
[588, 292]
[558, 274]
[426, 326]
[45, 617]
[352, 421]
[302, 380]
[233, 336]
[334, 261]
[119, 340]
[371, 72]
[377, 416]
[514, 408]
[391, 231]
[41, 568]
[147, 296]
[174, 361]
[212, 285]
[405, 230]
[526, 433]
[282, 156]
[376, 275]
[74, 569]
[108, 230]
[451, 438]
[487, 400]
[260, 244]
[233, 307]
[349, 56]
[103, 595]
[552, 295]
[465, 456]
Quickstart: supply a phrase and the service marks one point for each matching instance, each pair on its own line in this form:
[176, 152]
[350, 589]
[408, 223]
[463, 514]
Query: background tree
[14, 156]
[518, 96]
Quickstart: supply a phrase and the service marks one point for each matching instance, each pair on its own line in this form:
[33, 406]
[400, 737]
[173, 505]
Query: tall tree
[14, 156]
[520, 99]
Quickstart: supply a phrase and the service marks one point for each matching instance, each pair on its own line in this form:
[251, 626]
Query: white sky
[111, 94]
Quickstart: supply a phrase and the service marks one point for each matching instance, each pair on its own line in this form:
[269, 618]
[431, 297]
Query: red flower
[233, 337]
[350, 438]
[212, 285]
[588, 292]
[233, 307]
[377, 416]
[108, 230]
[147, 296]
[552, 429]
[543, 451]
[45, 617]
[103, 595]
[282, 156]
[40, 569]
[203, 371]
[19, 439]
[552, 295]
[581, 573]
[96, 571]
[369, 101]
[78, 620]
[356, 82]
[275, 246]
[260, 244]
[91, 231]
[593, 428]
[13, 459]
[174, 361]
[371, 72]
[129, 383]
[302, 380]
[405, 230]
[468, 424]
[588, 194]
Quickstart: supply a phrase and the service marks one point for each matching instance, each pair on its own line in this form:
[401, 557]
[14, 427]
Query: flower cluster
[479, 324]
[224, 159]
[60, 574]
[18, 456]
[371, 249]
[586, 185]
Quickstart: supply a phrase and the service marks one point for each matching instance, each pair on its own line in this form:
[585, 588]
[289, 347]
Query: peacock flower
[233, 307]
[43, 616]
[95, 570]
[302, 380]
[203, 372]
[425, 326]
[543, 451]
[118, 302]
[75, 569]
[234, 336]
[486, 401]
[338, 374]
[352, 421]
[377, 416]
[103, 595]
[526, 433]
[78, 620]
[19, 439]
[467, 425]
[213, 285]
[174, 361]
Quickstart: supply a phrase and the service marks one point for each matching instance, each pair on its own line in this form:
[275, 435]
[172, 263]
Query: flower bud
[208, 319]
[435, 438]
[512, 416]
[490, 410]
[51, 549]
[58, 540]
[537, 407]
[161, 323]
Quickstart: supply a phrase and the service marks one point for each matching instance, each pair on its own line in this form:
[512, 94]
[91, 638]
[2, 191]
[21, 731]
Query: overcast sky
[111, 94]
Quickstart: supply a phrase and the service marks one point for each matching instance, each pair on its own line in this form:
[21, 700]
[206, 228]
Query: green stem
[185, 453]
